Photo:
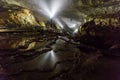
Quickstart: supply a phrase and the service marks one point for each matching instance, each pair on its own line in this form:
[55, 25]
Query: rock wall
[13, 17]
[17, 17]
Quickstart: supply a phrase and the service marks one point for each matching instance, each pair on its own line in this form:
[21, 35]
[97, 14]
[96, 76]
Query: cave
[59, 39]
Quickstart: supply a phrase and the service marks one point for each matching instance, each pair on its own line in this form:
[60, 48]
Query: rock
[17, 18]
[13, 17]
[99, 36]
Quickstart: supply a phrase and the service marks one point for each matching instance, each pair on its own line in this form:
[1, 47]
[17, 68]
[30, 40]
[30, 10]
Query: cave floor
[107, 69]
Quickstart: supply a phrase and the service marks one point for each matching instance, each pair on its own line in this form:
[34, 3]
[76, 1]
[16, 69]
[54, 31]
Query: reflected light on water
[48, 59]
[52, 53]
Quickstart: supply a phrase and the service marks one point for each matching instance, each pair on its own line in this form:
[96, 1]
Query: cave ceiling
[77, 9]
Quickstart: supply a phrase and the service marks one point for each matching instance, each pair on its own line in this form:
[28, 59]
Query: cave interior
[59, 39]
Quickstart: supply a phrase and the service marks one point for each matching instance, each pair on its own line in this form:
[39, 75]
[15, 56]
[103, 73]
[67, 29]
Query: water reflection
[48, 59]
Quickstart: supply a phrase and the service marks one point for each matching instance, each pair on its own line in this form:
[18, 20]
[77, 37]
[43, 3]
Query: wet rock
[100, 37]
[17, 17]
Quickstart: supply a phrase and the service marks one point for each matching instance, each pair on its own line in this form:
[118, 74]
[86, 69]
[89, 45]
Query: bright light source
[73, 24]
[56, 5]
[52, 7]
[75, 31]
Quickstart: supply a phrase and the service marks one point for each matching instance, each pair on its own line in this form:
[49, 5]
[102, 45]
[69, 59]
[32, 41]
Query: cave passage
[60, 40]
